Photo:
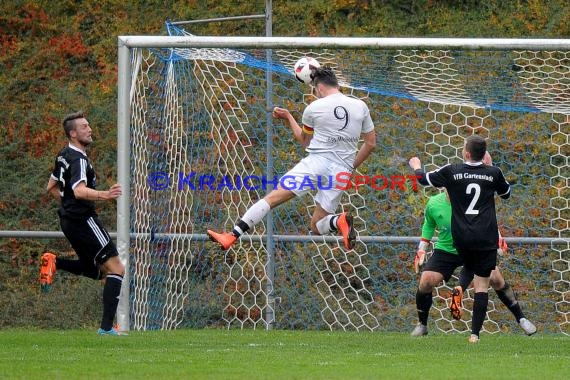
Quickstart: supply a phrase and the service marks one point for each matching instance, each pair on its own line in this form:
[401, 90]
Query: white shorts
[317, 172]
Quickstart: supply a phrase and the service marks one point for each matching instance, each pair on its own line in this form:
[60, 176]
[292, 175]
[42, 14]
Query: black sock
[423, 303]
[465, 278]
[243, 226]
[71, 266]
[508, 298]
[77, 268]
[480, 301]
[111, 293]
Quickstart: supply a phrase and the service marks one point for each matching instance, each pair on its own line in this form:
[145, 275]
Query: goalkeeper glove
[421, 258]
[502, 245]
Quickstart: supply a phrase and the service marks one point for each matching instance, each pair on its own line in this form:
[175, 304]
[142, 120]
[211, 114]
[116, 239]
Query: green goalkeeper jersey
[438, 217]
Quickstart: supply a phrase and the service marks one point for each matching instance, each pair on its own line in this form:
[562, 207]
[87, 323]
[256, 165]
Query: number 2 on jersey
[473, 187]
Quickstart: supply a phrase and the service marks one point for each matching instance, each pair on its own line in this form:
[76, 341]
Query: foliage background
[58, 57]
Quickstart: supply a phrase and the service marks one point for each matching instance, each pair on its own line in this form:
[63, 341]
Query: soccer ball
[303, 68]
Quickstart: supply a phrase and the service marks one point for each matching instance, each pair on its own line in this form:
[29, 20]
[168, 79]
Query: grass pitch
[260, 354]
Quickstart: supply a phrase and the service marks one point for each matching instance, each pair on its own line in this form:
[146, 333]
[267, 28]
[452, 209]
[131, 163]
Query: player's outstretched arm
[416, 166]
[415, 163]
[366, 148]
[298, 133]
[81, 191]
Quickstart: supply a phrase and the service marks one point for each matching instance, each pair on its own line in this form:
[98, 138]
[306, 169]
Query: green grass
[249, 354]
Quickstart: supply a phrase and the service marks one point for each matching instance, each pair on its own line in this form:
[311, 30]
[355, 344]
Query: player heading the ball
[304, 69]
[331, 116]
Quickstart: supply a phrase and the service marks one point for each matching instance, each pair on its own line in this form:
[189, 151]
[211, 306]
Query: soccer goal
[197, 146]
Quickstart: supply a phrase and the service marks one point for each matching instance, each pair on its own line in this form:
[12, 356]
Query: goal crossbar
[342, 42]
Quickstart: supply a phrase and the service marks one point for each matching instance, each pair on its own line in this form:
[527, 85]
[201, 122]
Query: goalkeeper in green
[445, 260]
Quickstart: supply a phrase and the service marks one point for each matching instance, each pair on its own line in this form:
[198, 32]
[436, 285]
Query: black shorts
[481, 263]
[89, 239]
[444, 263]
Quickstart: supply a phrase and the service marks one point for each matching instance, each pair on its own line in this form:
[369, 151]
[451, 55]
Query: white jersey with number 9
[338, 121]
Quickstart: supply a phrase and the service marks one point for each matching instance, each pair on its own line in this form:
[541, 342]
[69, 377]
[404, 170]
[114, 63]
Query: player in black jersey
[471, 186]
[73, 182]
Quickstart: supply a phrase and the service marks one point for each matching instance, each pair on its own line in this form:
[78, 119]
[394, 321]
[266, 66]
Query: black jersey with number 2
[471, 188]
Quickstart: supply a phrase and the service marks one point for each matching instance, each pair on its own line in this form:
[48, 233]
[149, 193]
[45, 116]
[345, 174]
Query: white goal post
[454, 101]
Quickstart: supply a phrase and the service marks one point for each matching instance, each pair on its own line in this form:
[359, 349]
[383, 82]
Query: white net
[199, 120]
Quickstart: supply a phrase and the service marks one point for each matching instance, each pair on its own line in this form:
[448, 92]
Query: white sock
[324, 224]
[256, 212]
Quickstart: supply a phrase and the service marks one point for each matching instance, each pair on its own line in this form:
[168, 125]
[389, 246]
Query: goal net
[198, 147]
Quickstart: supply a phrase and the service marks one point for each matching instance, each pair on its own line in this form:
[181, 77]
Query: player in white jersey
[340, 121]
[332, 127]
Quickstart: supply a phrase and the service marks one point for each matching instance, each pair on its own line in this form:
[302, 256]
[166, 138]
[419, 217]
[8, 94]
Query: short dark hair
[324, 75]
[69, 122]
[476, 146]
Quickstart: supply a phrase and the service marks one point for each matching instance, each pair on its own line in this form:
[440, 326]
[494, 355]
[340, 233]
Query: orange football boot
[344, 225]
[47, 270]
[456, 298]
[225, 239]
